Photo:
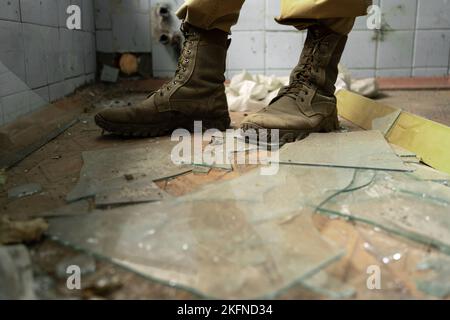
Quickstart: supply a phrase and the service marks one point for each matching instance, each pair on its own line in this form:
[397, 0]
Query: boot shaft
[198, 83]
[319, 60]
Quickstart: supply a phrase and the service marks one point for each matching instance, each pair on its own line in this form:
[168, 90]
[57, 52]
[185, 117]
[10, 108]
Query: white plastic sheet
[247, 92]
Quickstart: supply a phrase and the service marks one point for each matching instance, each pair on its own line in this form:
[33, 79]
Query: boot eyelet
[186, 61]
[168, 88]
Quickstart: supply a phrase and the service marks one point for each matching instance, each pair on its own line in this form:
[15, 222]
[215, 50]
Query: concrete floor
[431, 104]
[59, 174]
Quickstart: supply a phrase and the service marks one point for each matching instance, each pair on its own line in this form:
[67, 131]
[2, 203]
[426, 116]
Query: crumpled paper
[367, 87]
[252, 93]
[247, 92]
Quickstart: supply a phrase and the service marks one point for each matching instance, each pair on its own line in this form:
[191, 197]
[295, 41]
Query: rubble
[24, 190]
[16, 276]
[13, 232]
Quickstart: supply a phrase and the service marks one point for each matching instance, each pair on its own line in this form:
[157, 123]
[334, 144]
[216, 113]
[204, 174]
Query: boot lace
[182, 64]
[303, 78]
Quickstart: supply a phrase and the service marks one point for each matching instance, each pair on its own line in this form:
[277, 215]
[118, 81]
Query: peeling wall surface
[41, 60]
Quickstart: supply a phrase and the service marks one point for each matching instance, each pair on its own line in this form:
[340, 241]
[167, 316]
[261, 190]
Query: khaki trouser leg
[338, 15]
[211, 14]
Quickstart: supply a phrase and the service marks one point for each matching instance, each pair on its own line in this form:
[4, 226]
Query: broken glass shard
[437, 282]
[329, 286]
[245, 238]
[135, 190]
[423, 172]
[16, 276]
[397, 203]
[360, 149]
[152, 161]
[24, 190]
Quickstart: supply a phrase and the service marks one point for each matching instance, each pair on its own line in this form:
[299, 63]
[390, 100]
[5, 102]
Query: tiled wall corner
[38, 54]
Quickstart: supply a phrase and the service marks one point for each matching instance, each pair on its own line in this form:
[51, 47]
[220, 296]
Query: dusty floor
[431, 104]
[56, 167]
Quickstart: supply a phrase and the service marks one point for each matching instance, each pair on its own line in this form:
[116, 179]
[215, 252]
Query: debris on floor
[2, 178]
[75, 208]
[357, 175]
[124, 191]
[397, 203]
[247, 92]
[367, 87]
[234, 233]
[181, 244]
[16, 276]
[437, 282]
[109, 74]
[328, 286]
[84, 262]
[361, 149]
[105, 170]
[102, 286]
[24, 190]
[252, 93]
[13, 232]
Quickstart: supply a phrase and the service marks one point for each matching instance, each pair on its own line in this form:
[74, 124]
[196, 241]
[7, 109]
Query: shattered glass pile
[253, 236]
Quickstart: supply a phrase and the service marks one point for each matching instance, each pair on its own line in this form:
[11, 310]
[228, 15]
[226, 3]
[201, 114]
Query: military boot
[196, 92]
[308, 103]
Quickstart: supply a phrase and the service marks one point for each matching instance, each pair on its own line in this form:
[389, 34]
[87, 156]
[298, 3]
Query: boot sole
[150, 131]
[329, 124]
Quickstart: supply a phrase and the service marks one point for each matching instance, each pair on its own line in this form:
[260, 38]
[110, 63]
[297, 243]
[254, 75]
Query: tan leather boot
[195, 93]
[308, 103]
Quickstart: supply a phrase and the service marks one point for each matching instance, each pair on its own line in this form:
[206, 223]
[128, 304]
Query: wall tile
[396, 50]
[247, 50]
[432, 48]
[433, 14]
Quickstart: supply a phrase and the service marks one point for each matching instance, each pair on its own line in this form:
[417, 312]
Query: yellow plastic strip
[428, 139]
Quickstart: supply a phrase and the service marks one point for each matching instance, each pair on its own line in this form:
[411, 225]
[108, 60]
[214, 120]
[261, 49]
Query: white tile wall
[123, 26]
[415, 38]
[40, 59]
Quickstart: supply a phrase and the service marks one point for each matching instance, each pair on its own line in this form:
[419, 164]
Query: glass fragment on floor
[437, 280]
[103, 166]
[359, 149]
[250, 237]
[397, 203]
[133, 190]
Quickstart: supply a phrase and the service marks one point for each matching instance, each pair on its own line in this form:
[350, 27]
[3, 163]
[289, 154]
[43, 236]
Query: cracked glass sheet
[245, 238]
[328, 286]
[360, 149]
[436, 281]
[385, 123]
[152, 161]
[402, 152]
[423, 172]
[397, 203]
[137, 190]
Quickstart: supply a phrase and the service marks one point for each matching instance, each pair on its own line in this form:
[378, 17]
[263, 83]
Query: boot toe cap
[269, 121]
